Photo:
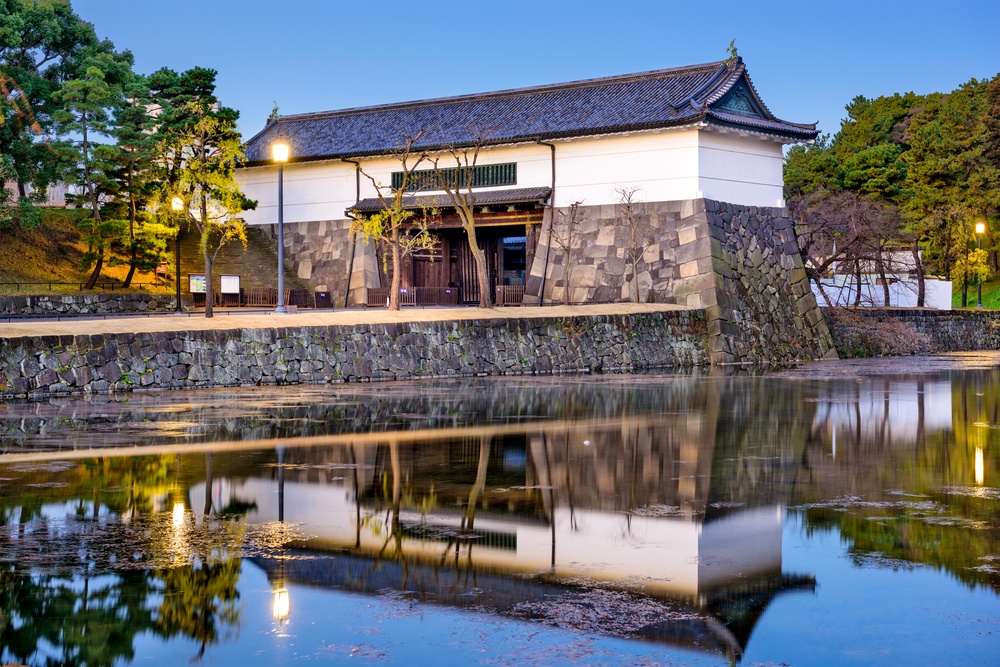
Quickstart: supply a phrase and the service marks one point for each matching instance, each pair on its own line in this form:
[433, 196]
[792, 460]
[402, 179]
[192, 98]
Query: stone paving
[235, 318]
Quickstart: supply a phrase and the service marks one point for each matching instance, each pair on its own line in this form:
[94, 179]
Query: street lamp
[980, 230]
[279, 152]
[177, 205]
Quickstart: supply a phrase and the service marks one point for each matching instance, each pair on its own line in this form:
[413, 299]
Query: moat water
[804, 518]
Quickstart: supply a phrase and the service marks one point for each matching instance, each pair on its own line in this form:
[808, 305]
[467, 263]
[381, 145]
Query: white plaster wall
[667, 165]
[740, 169]
[324, 190]
[662, 165]
[842, 290]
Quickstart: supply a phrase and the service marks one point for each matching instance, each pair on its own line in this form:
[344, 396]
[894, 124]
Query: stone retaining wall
[85, 303]
[740, 263]
[893, 331]
[47, 365]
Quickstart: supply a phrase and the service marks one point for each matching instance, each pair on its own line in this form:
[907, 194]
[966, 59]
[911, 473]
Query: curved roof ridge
[507, 92]
[645, 100]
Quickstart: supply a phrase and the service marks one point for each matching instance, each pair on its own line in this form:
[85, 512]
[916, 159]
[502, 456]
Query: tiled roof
[515, 196]
[713, 93]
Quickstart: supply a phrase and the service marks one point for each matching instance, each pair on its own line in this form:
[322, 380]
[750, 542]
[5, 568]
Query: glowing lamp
[279, 151]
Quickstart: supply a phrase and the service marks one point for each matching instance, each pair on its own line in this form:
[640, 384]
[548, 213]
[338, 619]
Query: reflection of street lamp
[980, 230]
[177, 205]
[177, 516]
[281, 607]
[279, 152]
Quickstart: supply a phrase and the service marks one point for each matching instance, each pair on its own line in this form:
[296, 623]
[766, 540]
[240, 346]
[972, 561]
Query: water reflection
[650, 508]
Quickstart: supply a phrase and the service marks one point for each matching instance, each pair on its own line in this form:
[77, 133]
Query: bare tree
[565, 241]
[635, 250]
[457, 184]
[845, 233]
[396, 225]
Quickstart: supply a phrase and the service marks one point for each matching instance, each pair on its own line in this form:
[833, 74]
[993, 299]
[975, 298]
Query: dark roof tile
[484, 198]
[649, 100]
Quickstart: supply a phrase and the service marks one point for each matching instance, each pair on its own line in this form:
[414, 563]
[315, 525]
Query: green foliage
[877, 172]
[87, 105]
[934, 157]
[199, 149]
[43, 45]
[15, 210]
[395, 228]
[809, 169]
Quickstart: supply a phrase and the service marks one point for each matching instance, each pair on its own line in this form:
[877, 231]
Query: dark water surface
[808, 518]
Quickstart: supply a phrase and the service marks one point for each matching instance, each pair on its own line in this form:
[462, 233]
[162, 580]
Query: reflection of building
[886, 410]
[621, 504]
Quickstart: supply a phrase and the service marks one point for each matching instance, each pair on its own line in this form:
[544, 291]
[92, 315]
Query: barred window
[483, 176]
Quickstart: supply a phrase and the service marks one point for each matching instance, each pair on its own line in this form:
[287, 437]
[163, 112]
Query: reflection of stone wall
[740, 263]
[538, 346]
[86, 303]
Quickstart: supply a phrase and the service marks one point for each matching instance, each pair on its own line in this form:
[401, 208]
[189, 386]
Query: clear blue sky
[807, 59]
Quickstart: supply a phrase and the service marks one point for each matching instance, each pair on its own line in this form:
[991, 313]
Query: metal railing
[506, 295]
[99, 286]
[510, 295]
[256, 297]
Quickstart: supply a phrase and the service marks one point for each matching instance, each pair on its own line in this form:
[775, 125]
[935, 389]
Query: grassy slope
[991, 294]
[52, 252]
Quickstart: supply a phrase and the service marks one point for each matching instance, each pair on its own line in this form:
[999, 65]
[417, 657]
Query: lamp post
[980, 230]
[177, 205]
[279, 152]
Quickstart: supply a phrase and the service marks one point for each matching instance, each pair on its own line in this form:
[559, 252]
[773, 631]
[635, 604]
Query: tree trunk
[131, 271]
[635, 271]
[95, 211]
[131, 241]
[857, 276]
[885, 282]
[209, 291]
[920, 274]
[96, 273]
[397, 274]
[485, 284]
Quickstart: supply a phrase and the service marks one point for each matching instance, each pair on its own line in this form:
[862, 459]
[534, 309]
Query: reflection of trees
[92, 623]
[121, 486]
[93, 620]
[72, 585]
[909, 488]
[198, 602]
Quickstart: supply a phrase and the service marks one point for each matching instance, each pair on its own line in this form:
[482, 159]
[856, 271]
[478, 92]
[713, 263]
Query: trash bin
[323, 300]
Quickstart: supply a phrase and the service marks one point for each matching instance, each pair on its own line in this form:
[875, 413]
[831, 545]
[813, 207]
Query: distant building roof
[719, 94]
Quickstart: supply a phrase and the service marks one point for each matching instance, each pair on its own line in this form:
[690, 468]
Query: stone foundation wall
[764, 310]
[319, 252]
[86, 303]
[894, 331]
[47, 365]
[740, 263]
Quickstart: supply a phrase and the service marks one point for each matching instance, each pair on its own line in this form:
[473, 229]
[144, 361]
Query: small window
[483, 176]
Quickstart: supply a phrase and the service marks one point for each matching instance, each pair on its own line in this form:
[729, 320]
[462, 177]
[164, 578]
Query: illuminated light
[979, 466]
[586, 443]
[177, 204]
[281, 606]
[178, 515]
[980, 227]
[280, 151]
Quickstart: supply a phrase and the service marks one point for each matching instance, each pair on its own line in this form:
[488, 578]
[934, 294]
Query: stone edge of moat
[44, 366]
